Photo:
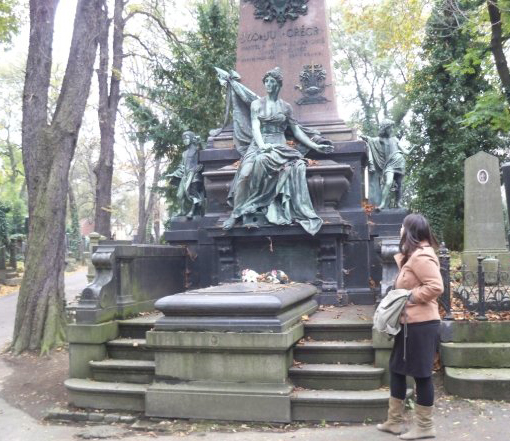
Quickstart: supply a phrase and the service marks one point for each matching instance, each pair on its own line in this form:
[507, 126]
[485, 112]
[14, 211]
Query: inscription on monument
[301, 40]
[295, 41]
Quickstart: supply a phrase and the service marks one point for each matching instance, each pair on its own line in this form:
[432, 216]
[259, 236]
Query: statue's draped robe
[272, 181]
[186, 177]
[386, 157]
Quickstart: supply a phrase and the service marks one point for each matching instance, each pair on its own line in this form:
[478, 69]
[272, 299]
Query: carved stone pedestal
[224, 352]
[314, 259]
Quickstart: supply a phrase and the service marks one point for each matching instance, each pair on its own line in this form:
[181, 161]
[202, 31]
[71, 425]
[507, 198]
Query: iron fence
[478, 291]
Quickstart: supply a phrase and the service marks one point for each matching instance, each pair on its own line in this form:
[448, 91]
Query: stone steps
[129, 349]
[137, 327]
[338, 330]
[333, 373]
[475, 355]
[325, 352]
[125, 371]
[478, 383]
[340, 405]
[106, 395]
[336, 376]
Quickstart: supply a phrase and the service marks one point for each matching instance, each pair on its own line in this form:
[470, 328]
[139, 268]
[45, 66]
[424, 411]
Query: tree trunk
[157, 221]
[142, 176]
[47, 153]
[497, 47]
[108, 105]
[148, 212]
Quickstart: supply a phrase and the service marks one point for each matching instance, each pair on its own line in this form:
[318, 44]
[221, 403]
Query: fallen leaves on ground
[6, 290]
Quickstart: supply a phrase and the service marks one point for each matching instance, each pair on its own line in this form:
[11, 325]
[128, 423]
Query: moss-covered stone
[475, 331]
[483, 355]
[79, 357]
[92, 334]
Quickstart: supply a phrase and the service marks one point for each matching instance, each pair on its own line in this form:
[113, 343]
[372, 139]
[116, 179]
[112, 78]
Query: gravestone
[484, 226]
[506, 180]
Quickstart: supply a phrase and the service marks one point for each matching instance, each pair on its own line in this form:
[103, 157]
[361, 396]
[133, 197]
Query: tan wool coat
[421, 275]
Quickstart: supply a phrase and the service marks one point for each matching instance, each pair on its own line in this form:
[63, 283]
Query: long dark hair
[416, 230]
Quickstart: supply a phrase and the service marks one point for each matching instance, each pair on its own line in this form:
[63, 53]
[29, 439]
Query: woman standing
[414, 348]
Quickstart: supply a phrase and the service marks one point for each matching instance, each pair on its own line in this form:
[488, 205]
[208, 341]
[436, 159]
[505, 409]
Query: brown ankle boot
[395, 422]
[423, 427]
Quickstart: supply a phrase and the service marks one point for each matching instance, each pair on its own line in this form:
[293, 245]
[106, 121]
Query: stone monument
[484, 226]
[339, 257]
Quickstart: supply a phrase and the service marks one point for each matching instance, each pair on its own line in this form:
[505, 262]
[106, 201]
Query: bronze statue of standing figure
[188, 178]
[386, 166]
[271, 177]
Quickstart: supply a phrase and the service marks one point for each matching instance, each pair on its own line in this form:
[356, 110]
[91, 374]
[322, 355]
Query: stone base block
[476, 355]
[225, 357]
[220, 401]
[488, 384]
[79, 357]
[475, 331]
[469, 258]
[102, 395]
[86, 343]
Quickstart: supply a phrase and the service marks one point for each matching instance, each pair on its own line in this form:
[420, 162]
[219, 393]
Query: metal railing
[477, 291]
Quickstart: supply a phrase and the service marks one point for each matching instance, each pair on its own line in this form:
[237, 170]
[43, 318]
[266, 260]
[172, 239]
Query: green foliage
[74, 233]
[186, 88]
[9, 20]
[491, 109]
[375, 55]
[4, 225]
[441, 97]
[187, 85]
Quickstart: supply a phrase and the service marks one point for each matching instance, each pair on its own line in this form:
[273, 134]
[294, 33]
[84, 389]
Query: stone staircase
[476, 356]
[333, 373]
[120, 381]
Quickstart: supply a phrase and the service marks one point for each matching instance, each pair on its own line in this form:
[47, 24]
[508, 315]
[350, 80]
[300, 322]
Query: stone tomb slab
[237, 307]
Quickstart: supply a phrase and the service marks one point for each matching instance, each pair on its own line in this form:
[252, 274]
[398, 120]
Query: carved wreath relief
[313, 84]
[281, 10]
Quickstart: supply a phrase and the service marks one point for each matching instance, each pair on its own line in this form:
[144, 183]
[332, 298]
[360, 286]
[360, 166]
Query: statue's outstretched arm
[305, 140]
[404, 150]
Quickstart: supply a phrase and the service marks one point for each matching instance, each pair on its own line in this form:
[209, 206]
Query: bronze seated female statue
[271, 177]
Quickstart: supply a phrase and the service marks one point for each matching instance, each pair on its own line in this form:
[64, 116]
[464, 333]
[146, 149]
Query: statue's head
[386, 126]
[276, 74]
[189, 137]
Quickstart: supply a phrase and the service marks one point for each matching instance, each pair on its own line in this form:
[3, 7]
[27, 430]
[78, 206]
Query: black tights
[424, 389]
